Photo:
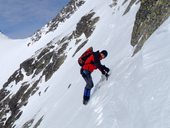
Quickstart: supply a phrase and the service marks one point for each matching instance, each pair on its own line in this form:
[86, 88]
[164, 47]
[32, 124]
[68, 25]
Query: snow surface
[136, 95]
[11, 54]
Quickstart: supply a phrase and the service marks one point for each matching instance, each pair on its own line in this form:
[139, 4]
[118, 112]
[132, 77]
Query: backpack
[82, 59]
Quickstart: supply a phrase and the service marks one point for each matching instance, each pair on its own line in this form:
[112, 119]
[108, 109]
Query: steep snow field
[136, 95]
[12, 52]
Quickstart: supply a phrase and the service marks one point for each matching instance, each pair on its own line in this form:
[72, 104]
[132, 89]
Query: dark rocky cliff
[151, 14]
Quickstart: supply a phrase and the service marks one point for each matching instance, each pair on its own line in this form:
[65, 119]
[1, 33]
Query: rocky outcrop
[114, 3]
[64, 14]
[151, 14]
[29, 123]
[16, 77]
[86, 25]
[130, 5]
[42, 65]
[79, 47]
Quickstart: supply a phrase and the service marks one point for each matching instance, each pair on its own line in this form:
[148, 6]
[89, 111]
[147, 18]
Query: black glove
[106, 69]
[107, 75]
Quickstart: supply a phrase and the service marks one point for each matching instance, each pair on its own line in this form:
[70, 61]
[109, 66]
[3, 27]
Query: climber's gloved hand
[107, 75]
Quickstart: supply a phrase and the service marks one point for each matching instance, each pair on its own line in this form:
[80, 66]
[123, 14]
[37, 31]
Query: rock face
[151, 14]
[64, 14]
[86, 25]
[42, 65]
[26, 80]
[129, 6]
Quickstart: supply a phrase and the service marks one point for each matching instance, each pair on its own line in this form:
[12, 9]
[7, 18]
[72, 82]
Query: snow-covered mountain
[40, 81]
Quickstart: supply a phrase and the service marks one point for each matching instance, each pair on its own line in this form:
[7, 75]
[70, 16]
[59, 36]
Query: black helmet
[104, 52]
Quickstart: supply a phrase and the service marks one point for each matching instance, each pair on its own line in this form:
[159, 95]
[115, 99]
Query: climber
[89, 62]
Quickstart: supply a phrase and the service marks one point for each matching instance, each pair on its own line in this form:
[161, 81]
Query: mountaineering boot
[86, 96]
[85, 100]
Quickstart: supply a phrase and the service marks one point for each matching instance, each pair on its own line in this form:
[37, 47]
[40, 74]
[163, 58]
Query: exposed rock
[17, 77]
[3, 94]
[86, 25]
[42, 63]
[151, 15]
[129, 6]
[28, 124]
[124, 2]
[38, 122]
[79, 47]
[58, 60]
[11, 103]
[36, 36]
[64, 14]
[28, 66]
[113, 4]
[46, 89]
[77, 41]
[43, 52]
[11, 106]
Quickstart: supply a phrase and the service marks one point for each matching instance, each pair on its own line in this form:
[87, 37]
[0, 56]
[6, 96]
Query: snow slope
[10, 55]
[137, 94]
[13, 52]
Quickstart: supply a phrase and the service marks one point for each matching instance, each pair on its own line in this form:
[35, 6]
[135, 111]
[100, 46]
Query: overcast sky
[21, 18]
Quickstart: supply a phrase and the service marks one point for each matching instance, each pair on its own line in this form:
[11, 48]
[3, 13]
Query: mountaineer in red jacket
[90, 64]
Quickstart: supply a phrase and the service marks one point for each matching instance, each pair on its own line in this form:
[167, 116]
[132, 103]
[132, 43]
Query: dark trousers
[89, 82]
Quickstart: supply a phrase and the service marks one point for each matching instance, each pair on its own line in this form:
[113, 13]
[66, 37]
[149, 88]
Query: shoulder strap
[96, 56]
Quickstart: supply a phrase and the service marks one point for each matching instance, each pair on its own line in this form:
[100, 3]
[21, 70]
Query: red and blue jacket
[93, 62]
